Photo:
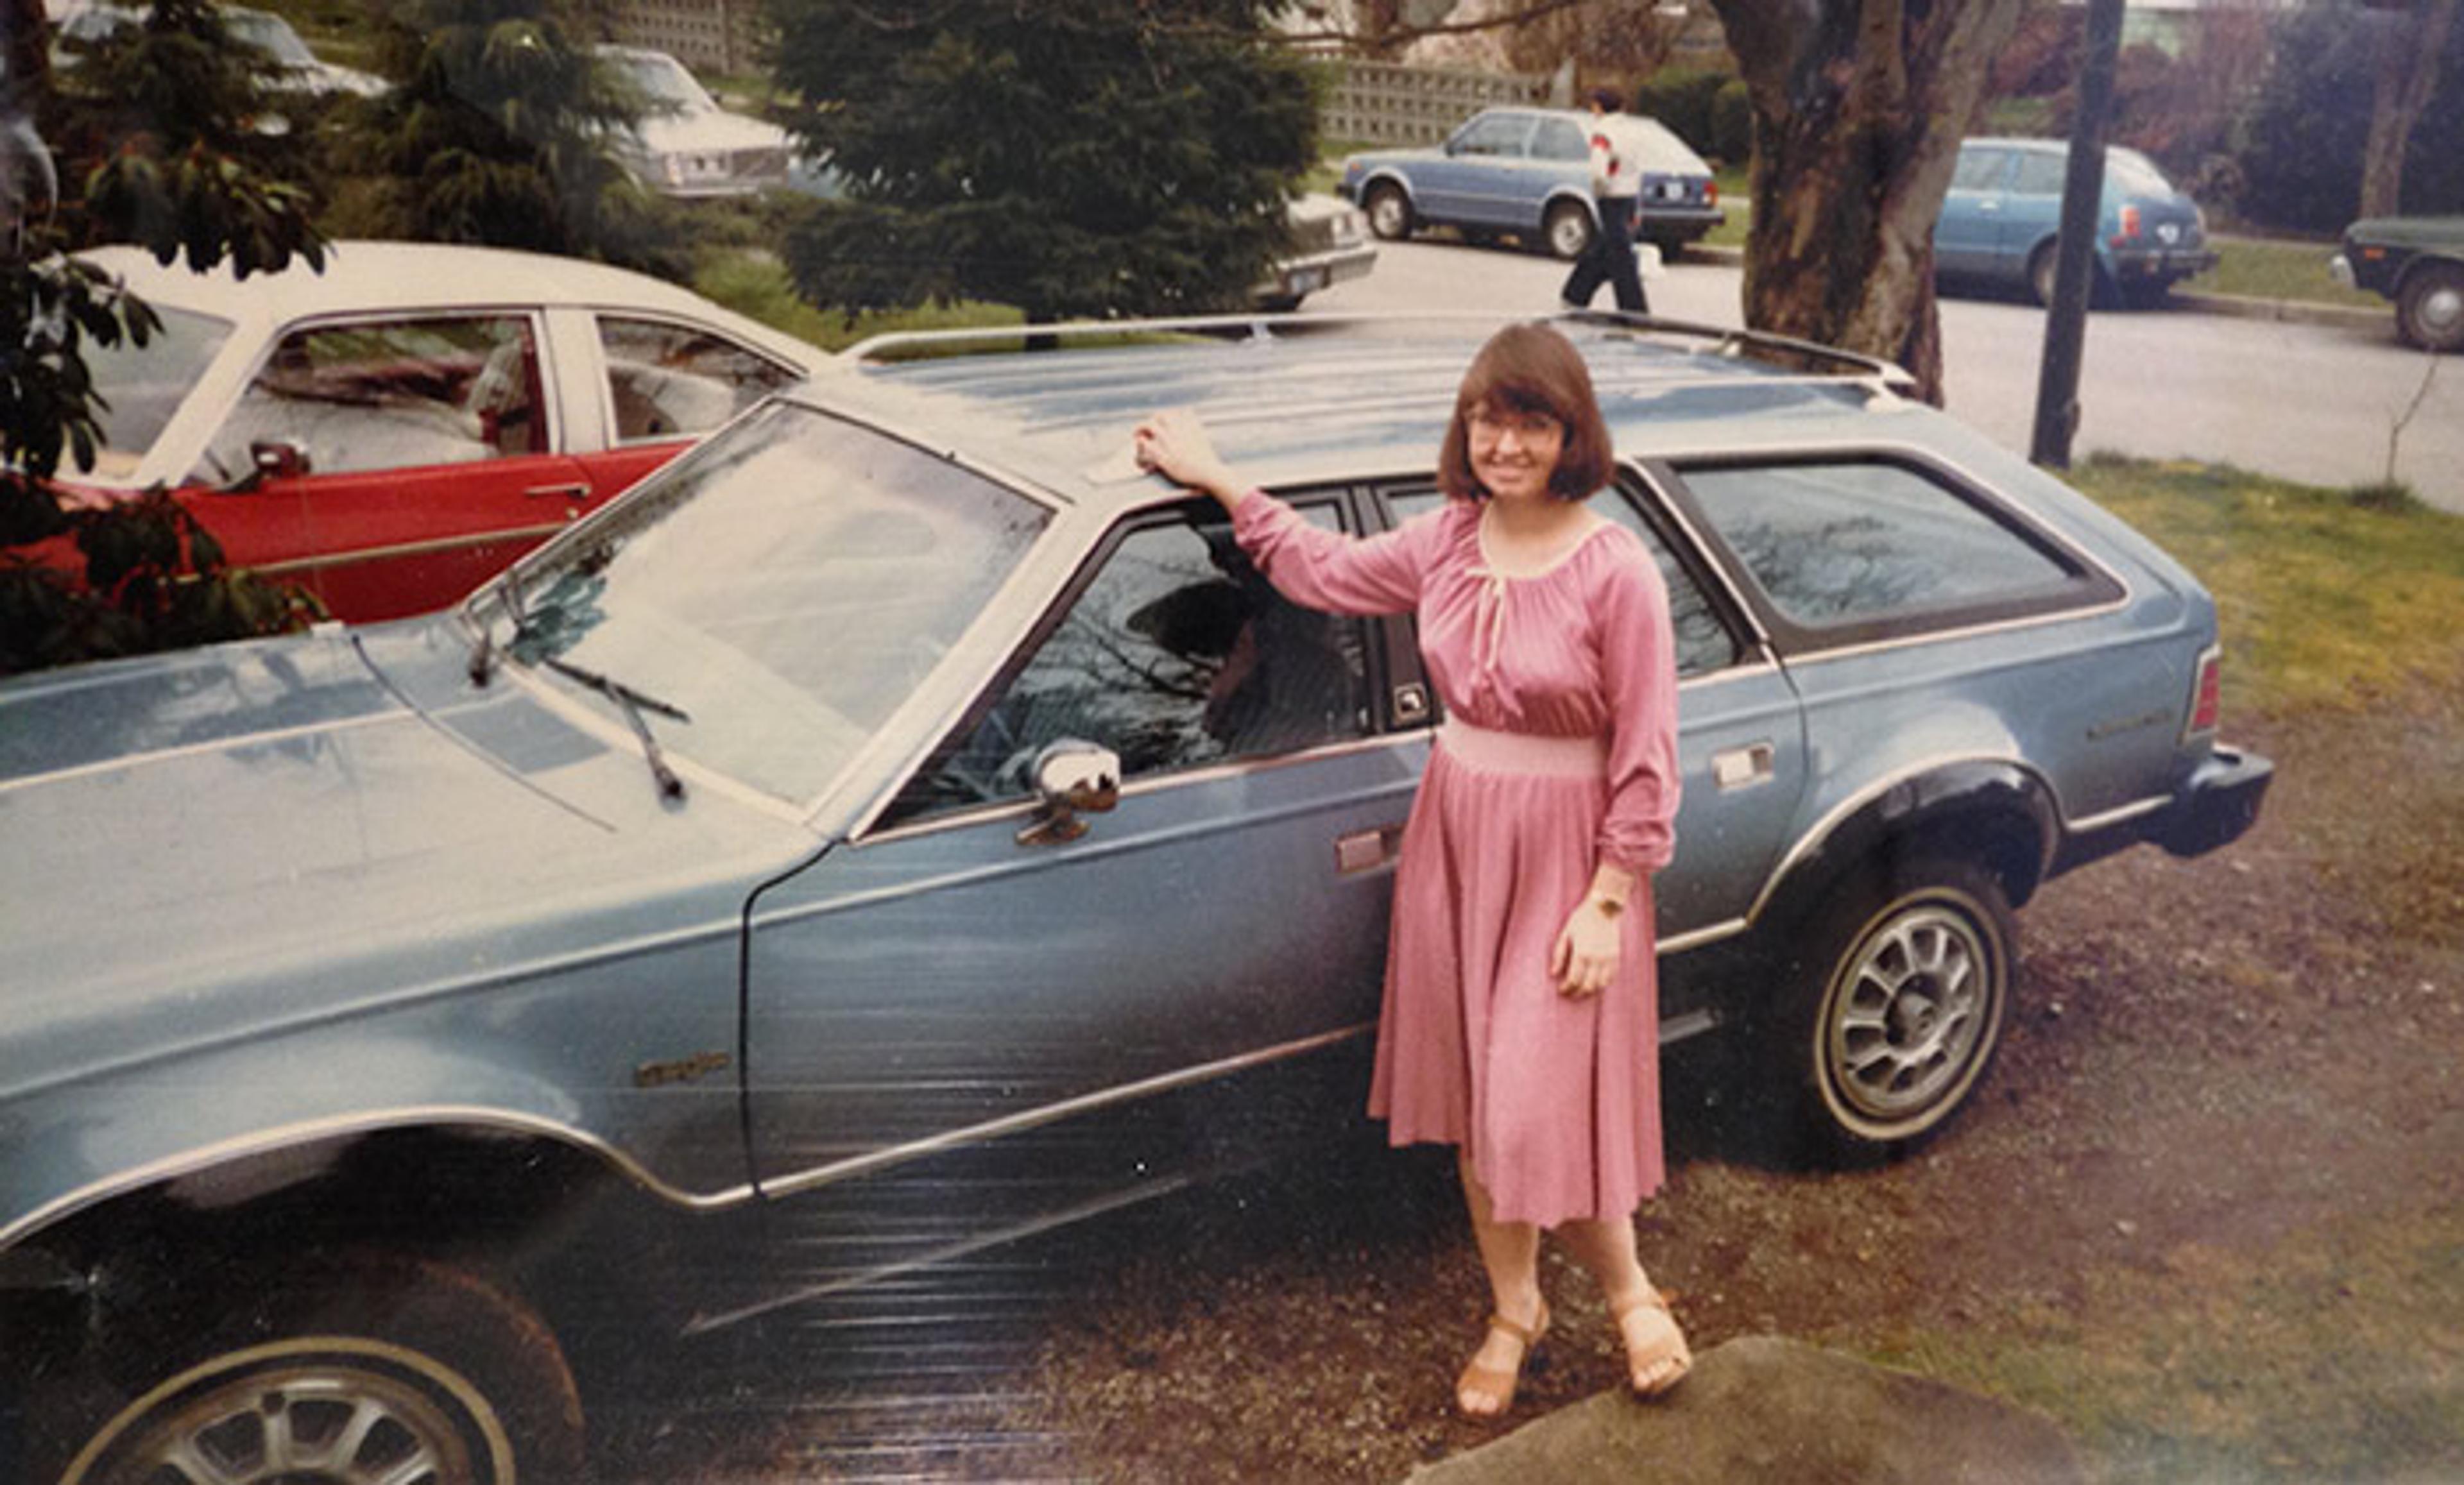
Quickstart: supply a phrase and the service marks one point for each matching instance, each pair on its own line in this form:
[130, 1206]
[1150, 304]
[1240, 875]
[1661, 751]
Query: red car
[394, 430]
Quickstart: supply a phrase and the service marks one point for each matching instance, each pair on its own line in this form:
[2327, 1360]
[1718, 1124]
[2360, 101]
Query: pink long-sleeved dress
[1559, 752]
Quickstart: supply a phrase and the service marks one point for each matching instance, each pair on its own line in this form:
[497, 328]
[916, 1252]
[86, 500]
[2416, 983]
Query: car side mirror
[277, 458]
[1071, 776]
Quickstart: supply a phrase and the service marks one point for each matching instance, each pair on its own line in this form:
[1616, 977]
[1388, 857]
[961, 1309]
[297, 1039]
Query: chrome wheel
[1893, 1003]
[315, 1410]
[2431, 314]
[1568, 229]
[1390, 214]
[1907, 1015]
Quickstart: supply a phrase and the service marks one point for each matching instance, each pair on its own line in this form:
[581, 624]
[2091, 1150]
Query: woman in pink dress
[1520, 1001]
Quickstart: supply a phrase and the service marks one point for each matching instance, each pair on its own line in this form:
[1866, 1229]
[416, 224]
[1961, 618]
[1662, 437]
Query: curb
[2233, 306]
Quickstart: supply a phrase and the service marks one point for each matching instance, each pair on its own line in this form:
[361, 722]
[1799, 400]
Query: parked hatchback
[2004, 211]
[1526, 172]
[900, 823]
[391, 431]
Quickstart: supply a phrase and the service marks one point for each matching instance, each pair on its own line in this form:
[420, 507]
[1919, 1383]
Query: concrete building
[727, 37]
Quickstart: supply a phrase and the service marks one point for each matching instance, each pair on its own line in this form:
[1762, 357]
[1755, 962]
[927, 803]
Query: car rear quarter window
[1560, 139]
[1853, 549]
[2040, 174]
[669, 380]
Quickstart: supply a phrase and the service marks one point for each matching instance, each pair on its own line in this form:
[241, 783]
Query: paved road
[2308, 402]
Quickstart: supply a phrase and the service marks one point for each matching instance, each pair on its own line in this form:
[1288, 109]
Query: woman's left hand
[1585, 957]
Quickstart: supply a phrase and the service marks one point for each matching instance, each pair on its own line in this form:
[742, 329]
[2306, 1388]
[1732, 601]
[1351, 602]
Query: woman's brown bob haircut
[1529, 369]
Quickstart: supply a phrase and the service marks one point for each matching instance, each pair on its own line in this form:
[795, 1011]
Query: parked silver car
[900, 823]
[686, 144]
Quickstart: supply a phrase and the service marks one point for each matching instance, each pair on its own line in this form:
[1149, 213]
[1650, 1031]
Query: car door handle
[1741, 768]
[573, 491]
[1367, 850]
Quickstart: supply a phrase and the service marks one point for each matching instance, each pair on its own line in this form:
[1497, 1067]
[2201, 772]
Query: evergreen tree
[497, 132]
[1106, 156]
[161, 136]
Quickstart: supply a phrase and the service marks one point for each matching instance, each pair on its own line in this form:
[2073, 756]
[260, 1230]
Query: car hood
[198, 844]
[712, 132]
[2444, 232]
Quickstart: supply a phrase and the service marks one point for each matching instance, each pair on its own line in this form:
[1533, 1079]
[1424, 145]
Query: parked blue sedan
[1528, 171]
[2004, 211]
[901, 822]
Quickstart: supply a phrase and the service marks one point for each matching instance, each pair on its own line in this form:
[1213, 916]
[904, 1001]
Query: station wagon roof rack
[1803, 357]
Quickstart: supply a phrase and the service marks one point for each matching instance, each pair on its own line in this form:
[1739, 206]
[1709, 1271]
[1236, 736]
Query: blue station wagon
[2004, 211]
[901, 822]
[1528, 171]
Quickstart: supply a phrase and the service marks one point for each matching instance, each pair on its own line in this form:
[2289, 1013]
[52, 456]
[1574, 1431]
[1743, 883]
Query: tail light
[1710, 194]
[2207, 695]
[2129, 226]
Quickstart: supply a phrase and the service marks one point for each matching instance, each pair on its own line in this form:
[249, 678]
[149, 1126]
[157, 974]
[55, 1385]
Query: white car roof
[360, 276]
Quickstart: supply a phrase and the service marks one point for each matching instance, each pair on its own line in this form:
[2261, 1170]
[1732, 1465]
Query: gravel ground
[2209, 1064]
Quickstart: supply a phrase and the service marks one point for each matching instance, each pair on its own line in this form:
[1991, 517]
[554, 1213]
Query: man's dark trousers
[1610, 259]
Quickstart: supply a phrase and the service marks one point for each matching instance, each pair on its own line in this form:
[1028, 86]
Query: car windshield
[783, 587]
[271, 34]
[663, 83]
[141, 387]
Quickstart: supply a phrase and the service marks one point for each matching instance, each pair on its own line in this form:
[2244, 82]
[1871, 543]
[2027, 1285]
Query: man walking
[1616, 175]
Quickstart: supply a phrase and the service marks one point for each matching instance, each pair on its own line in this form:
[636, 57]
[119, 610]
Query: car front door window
[393, 394]
[1176, 654]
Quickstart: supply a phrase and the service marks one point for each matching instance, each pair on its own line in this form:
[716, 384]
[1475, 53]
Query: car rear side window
[667, 380]
[1175, 653]
[1704, 643]
[1860, 548]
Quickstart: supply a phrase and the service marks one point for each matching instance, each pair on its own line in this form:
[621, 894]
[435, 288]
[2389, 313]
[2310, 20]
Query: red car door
[400, 462]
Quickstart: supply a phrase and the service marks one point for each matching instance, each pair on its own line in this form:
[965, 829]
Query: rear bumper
[2165, 263]
[2218, 806]
[1666, 221]
[1310, 272]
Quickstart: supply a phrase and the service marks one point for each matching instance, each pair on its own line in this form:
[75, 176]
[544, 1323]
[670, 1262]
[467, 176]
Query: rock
[1765, 1408]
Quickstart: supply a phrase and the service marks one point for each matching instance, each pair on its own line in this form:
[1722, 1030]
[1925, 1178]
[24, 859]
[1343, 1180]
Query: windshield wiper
[633, 704]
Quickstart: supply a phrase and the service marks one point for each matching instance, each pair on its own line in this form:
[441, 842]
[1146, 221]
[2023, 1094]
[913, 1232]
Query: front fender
[222, 1125]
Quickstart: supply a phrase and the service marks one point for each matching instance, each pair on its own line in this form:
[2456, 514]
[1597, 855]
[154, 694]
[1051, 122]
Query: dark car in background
[1528, 171]
[2004, 211]
[2416, 261]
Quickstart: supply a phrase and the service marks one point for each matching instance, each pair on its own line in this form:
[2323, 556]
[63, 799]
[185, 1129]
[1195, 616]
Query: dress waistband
[1491, 751]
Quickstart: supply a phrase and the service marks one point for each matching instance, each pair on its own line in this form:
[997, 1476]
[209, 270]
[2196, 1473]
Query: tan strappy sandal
[1666, 1361]
[1499, 1383]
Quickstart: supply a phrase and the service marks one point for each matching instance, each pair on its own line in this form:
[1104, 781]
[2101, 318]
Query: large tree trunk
[1859, 109]
[2412, 42]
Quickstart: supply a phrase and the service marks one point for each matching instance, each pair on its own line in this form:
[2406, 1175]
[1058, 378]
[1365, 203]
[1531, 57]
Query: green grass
[2267, 269]
[758, 285]
[2327, 598]
[2303, 1362]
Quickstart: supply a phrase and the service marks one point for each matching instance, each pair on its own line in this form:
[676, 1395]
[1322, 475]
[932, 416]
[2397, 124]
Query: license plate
[1308, 280]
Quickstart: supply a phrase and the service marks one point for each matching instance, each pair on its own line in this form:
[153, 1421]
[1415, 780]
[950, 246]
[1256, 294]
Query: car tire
[1567, 229]
[1389, 211]
[1893, 1007]
[2430, 310]
[354, 1374]
[2041, 267]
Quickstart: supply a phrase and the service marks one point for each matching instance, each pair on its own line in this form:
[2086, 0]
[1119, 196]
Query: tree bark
[1859, 109]
[2412, 44]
